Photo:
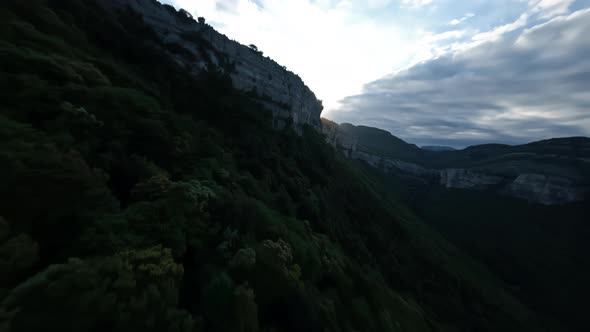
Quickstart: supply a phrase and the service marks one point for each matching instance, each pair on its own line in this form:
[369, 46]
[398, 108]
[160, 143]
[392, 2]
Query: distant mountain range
[553, 171]
[437, 148]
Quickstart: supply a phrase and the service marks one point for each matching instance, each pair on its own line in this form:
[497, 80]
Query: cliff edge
[199, 47]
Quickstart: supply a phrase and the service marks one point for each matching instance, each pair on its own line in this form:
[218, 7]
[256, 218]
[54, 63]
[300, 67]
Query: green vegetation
[539, 251]
[138, 197]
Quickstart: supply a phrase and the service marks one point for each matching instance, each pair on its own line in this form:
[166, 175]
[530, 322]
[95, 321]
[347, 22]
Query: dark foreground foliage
[136, 197]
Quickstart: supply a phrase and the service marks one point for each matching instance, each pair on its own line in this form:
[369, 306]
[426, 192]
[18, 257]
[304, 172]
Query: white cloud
[497, 32]
[462, 19]
[378, 4]
[416, 3]
[549, 8]
[514, 88]
[537, 9]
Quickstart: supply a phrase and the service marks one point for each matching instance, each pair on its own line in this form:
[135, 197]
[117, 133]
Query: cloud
[537, 10]
[227, 6]
[497, 32]
[513, 84]
[416, 3]
[549, 8]
[378, 4]
[458, 21]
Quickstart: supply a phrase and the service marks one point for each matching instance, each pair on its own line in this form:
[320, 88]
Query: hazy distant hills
[437, 148]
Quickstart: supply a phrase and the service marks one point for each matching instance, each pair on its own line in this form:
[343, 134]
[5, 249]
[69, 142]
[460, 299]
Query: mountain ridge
[198, 47]
[437, 148]
[527, 171]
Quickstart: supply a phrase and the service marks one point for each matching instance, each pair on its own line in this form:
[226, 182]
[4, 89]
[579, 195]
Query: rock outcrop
[467, 179]
[199, 47]
[545, 189]
[345, 142]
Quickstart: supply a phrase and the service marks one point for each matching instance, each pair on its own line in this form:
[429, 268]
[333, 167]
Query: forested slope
[138, 197]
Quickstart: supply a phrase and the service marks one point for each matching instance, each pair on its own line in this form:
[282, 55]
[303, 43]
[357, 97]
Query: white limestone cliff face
[282, 91]
[545, 189]
[458, 178]
[466, 179]
[538, 188]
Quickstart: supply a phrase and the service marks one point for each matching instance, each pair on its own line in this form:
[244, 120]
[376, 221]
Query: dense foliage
[539, 251]
[138, 197]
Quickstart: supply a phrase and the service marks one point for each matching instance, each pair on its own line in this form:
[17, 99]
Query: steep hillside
[362, 140]
[539, 250]
[140, 194]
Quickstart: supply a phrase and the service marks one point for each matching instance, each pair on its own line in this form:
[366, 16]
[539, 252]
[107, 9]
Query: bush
[134, 290]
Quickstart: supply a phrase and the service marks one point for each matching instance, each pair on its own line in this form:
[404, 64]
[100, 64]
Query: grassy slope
[137, 197]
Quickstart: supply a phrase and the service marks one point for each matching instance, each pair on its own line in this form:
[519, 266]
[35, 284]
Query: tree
[185, 13]
[245, 309]
[135, 290]
[201, 20]
[255, 49]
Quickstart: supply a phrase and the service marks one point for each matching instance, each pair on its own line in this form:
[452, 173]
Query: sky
[432, 72]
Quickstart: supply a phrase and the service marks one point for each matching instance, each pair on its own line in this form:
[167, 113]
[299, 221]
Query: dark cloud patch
[525, 86]
[438, 70]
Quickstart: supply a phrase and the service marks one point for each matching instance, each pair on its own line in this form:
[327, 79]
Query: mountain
[437, 148]
[555, 171]
[157, 176]
[521, 210]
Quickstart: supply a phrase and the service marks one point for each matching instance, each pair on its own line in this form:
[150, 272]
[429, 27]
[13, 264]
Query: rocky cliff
[197, 46]
[538, 181]
[334, 136]
[545, 189]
